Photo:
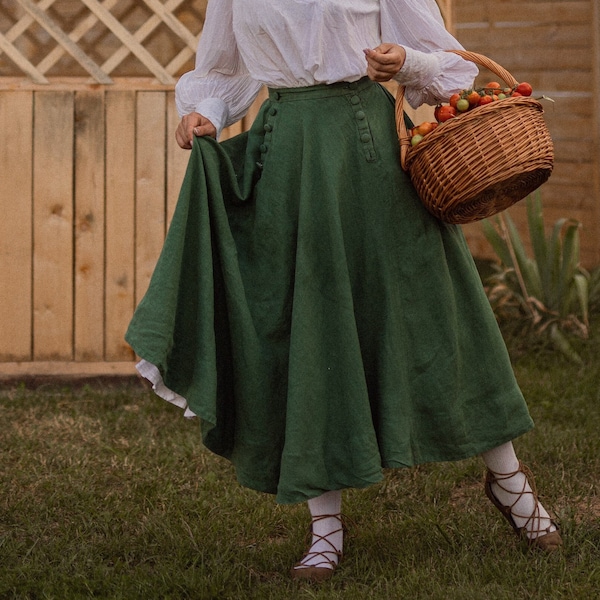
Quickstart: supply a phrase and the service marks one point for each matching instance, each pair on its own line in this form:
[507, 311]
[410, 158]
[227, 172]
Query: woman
[306, 307]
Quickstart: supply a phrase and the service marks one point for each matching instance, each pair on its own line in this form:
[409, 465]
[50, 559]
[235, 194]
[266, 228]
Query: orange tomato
[485, 100]
[424, 128]
[454, 99]
[473, 97]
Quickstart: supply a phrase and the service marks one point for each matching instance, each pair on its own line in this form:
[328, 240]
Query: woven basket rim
[452, 126]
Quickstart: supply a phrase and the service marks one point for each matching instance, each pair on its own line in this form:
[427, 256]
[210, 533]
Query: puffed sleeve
[429, 74]
[219, 87]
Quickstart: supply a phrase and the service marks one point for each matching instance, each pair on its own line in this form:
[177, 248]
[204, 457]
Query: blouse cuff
[419, 69]
[215, 110]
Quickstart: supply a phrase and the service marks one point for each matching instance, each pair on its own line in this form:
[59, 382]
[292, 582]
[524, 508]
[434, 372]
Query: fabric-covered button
[360, 115]
[268, 127]
[365, 137]
[276, 95]
[355, 100]
[272, 111]
[263, 148]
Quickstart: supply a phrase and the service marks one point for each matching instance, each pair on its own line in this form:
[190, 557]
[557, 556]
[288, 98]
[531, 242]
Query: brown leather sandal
[549, 541]
[322, 570]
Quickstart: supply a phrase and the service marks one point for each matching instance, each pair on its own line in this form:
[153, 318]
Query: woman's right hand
[192, 125]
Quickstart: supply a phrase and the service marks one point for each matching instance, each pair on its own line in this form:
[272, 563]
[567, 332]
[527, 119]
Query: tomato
[454, 99]
[493, 85]
[444, 113]
[473, 97]
[515, 95]
[462, 105]
[423, 128]
[485, 100]
[416, 139]
[524, 89]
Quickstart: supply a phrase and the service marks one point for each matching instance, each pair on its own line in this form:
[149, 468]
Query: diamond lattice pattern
[101, 39]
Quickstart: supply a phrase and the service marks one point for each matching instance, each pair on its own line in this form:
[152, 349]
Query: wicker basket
[483, 161]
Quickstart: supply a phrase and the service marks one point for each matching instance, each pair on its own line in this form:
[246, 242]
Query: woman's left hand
[384, 61]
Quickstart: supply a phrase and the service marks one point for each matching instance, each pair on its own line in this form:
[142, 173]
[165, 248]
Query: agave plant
[549, 291]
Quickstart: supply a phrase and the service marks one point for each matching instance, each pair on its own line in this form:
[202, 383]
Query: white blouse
[246, 44]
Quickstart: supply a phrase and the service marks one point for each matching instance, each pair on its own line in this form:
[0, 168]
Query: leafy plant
[547, 293]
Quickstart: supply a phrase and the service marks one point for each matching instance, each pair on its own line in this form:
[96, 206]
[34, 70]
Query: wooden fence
[90, 172]
[555, 45]
[89, 178]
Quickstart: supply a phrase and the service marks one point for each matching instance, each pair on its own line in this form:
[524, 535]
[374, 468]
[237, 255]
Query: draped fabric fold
[316, 318]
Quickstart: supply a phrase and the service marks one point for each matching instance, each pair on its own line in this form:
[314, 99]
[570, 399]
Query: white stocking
[330, 528]
[503, 460]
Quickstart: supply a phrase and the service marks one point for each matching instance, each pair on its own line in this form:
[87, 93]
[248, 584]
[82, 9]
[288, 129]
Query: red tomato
[485, 100]
[444, 113]
[515, 94]
[454, 99]
[524, 89]
[493, 85]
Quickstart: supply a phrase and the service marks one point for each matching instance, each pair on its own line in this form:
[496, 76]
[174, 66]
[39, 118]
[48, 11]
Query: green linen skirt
[319, 321]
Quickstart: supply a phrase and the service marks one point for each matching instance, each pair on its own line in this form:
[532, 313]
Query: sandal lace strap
[531, 520]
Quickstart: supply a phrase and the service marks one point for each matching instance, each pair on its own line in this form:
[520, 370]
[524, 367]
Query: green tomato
[462, 105]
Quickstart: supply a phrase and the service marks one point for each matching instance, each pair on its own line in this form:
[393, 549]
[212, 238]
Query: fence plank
[16, 123]
[53, 226]
[594, 225]
[89, 225]
[540, 12]
[150, 211]
[120, 221]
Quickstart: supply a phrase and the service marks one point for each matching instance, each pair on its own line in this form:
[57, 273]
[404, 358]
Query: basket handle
[479, 59]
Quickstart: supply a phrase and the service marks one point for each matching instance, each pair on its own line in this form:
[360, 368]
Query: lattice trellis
[99, 38]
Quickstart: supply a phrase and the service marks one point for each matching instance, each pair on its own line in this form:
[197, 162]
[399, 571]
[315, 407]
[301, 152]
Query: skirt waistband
[319, 91]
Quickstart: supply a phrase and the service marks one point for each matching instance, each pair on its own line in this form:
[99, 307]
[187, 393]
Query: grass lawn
[106, 492]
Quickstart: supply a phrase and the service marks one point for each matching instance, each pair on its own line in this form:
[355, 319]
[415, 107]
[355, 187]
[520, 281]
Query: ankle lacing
[331, 557]
[546, 538]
